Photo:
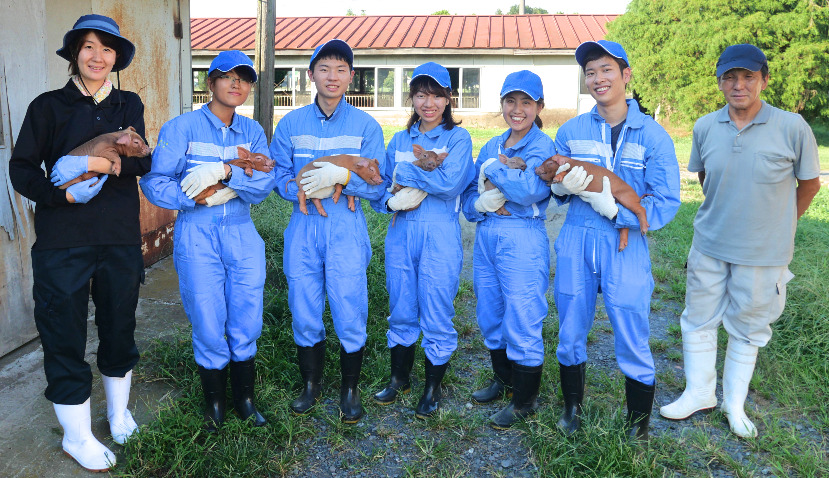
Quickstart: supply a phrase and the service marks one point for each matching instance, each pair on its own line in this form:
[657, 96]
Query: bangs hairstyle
[330, 55]
[109, 41]
[540, 103]
[427, 85]
[597, 53]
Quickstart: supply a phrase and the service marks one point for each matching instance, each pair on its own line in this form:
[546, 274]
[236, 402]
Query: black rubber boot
[640, 402]
[402, 360]
[311, 362]
[242, 379]
[351, 410]
[572, 387]
[430, 401]
[525, 383]
[213, 384]
[501, 383]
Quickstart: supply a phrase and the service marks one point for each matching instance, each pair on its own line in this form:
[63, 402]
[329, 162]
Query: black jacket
[57, 122]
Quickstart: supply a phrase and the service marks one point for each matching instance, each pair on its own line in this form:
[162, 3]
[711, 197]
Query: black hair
[539, 102]
[427, 85]
[108, 40]
[330, 55]
[597, 53]
[243, 73]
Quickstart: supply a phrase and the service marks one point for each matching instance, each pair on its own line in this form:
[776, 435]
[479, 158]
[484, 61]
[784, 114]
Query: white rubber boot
[739, 367]
[700, 353]
[78, 441]
[121, 423]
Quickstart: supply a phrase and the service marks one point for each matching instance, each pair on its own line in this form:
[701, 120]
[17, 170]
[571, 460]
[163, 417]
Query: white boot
[121, 423]
[739, 367]
[78, 441]
[700, 354]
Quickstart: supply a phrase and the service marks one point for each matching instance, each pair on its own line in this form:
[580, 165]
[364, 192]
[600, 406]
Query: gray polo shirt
[749, 214]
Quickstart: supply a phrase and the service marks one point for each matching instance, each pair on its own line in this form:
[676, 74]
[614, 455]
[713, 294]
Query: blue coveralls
[588, 260]
[511, 259]
[423, 248]
[219, 256]
[327, 255]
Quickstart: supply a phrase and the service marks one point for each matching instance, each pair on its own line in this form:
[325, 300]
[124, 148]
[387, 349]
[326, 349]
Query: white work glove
[490, 201]
[603, 202]
[573, 183]
[405, 199]
[220, 197]
[326, 175]
[201, 177]
[321, 193]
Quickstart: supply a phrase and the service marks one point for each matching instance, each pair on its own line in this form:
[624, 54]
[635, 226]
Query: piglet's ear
[417, 149]
[443, 156]
[124, 139]
[362, 163]
[130, 128]
[243, 153]
[503, 158]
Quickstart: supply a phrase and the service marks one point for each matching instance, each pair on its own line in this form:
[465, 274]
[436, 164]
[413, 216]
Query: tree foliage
[442, 12]
[513, 10]
[673, 47]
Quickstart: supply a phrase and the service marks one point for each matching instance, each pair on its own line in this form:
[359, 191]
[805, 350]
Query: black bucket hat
[101, 23]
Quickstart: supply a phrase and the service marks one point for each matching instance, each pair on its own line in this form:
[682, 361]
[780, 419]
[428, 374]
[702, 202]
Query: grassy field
[790, 387]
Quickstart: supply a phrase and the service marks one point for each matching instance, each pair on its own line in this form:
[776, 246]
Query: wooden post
[263, 63]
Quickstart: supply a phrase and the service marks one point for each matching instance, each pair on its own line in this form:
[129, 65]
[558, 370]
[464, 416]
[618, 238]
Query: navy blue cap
[334, 45]
[610, 47]
[228, 60]
[434, 71]
[525, 81]
[744, 55]
[101, 23]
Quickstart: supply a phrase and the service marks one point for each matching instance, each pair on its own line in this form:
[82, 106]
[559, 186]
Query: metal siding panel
[427, 33]
[482, 31]
[572, 30]
[385, 32]
[511, 31]
[525, 34]
[467, 35]
[410, 40]
[399, 35]
[453, 35]
[441, 32]
[539, 32]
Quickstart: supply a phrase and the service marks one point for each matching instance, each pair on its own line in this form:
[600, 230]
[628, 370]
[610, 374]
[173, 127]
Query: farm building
[30, 32]
[478, 51]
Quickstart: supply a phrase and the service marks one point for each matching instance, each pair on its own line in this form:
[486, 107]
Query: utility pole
[263, 64]
[521, 7]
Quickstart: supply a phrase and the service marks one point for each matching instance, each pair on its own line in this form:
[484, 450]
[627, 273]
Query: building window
[360, 92]
[385, 87]
[283, 92]
[471, 90]
[201, 93]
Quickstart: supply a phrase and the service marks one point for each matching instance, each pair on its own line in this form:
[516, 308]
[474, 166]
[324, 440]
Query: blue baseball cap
[744, 56]
[228, 60]
[101, 23]
[524, 81]
[337, 46]
[610, 47]
[434, 71]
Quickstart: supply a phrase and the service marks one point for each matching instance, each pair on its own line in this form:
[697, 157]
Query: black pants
[61, 295]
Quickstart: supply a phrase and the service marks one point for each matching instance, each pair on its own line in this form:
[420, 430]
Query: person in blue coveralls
[88, 235]
[327, 256]
[511, 261]
[423, 244]
[219, 256]
[617, 136]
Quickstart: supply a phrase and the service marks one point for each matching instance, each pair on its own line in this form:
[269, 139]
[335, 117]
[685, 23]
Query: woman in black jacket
[87, 232]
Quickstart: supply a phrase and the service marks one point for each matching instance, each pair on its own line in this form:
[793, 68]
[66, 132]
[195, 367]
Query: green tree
[513, 10]
[349, 13]
[673, 47]
[442, 12]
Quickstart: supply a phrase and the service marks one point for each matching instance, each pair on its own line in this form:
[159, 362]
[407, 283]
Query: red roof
[524, 32]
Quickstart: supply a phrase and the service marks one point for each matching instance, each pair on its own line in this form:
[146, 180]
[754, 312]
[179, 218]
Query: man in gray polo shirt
[758, 166]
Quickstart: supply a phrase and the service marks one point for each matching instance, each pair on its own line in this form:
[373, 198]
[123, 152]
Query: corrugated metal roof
[523, 32]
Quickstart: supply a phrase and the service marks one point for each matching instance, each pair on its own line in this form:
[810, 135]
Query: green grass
[790, 386]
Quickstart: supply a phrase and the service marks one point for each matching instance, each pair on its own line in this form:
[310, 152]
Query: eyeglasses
[233, 80]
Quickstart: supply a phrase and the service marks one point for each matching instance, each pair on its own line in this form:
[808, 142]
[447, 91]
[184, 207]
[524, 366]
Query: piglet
[248, 161]
[485, 184]
[110, 146]
[622, 192]
[368, 169]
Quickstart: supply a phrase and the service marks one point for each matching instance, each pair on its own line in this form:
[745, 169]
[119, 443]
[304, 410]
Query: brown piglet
[622, 192]
[485, 184]
[248, 161]
[367, 169]
[110, 146]
[426, 160]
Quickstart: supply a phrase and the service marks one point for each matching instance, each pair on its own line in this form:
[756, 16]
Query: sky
[303, 8]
